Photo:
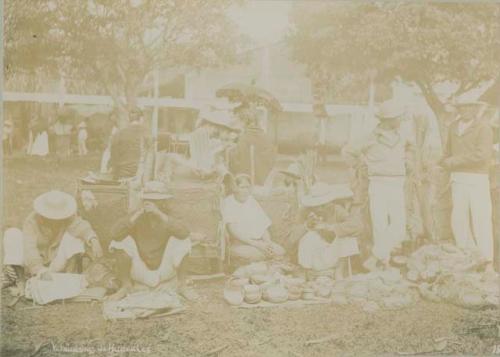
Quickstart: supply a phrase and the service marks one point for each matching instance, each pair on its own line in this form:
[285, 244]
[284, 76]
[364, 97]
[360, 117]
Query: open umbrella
[242, 92]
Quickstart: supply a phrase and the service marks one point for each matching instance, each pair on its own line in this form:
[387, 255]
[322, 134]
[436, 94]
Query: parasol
[241, 92]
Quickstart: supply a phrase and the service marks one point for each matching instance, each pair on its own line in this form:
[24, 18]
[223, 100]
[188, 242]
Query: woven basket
[198, 208]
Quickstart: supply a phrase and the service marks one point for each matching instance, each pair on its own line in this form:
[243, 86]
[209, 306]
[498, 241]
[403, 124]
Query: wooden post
[252, 164]
[156, 91]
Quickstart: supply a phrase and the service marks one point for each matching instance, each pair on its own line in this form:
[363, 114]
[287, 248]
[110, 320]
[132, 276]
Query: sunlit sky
[264, 21]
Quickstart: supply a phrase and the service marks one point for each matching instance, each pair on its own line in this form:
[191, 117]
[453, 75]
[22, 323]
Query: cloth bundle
[141, 304]
[61, 286]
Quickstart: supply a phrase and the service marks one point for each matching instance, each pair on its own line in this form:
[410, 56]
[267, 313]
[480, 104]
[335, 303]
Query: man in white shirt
[468, 155]
[248, 224]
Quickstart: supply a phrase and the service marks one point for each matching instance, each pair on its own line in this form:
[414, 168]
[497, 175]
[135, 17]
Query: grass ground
[210, 323]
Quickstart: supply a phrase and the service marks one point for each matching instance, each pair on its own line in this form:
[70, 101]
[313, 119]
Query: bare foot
[188, 293]
[120, 294]
[339, 274]
[490, 269]
[370, 264]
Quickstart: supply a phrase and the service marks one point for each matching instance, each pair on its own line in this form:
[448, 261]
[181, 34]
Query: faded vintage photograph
[250, 178]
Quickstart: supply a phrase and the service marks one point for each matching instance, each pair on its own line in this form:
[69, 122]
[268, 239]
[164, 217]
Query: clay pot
[295, 292]
[275, 294]
[323, 291]
[252, 293]
[324, 280]
[239, 282]
[308, 294]
[261, 279]
[233, 297]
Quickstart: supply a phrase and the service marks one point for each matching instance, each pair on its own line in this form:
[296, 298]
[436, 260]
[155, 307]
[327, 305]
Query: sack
[141, 304]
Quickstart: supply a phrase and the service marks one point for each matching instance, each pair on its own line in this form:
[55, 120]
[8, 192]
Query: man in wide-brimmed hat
[215, 132]
[468, 156]
[52, 239]
[386, 153]
[332, 226]
[150, 246]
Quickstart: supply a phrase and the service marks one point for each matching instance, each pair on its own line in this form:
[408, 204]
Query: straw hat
[293, 170]
[390, 110]
[219, 117]
[466, 101]
[55, 205]
[321, 194]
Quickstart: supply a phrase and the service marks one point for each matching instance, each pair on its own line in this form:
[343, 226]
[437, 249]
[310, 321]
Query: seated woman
[248, 224]
[331, 229]
[207, 145]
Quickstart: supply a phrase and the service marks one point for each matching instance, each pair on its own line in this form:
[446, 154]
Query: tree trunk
[442, 116]
[434, 196]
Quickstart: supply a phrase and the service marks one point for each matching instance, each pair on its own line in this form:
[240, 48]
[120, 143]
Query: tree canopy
[424, 43]
[118, 43]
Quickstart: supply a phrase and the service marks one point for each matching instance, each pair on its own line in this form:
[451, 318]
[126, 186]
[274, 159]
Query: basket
[198, 207]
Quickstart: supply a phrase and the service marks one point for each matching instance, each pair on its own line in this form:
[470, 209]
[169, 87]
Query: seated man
[332, 226]
[248, 224]
[207, 146]
[150, 247]
[52, 239]
[128, 148]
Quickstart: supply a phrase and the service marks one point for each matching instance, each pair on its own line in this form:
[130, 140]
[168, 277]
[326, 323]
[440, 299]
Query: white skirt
[317, 254]
[40, 145]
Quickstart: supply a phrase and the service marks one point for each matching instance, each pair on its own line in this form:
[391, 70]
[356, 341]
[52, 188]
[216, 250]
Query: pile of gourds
[446, 273]
[374, 291]
[435, 259]
[262, 281]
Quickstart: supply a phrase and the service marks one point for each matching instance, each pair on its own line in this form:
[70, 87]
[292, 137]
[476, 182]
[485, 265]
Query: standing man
[254, 139]
[467, 156]
[386, 153]
[128, 148]
[82, 139]
[7, 135]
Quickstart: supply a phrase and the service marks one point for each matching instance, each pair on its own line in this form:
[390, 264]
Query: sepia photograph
[250, 178]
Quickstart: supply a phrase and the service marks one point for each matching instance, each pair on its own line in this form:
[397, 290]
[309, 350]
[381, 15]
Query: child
[82, 139]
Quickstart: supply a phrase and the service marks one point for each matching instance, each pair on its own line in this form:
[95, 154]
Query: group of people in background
[60, 137]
